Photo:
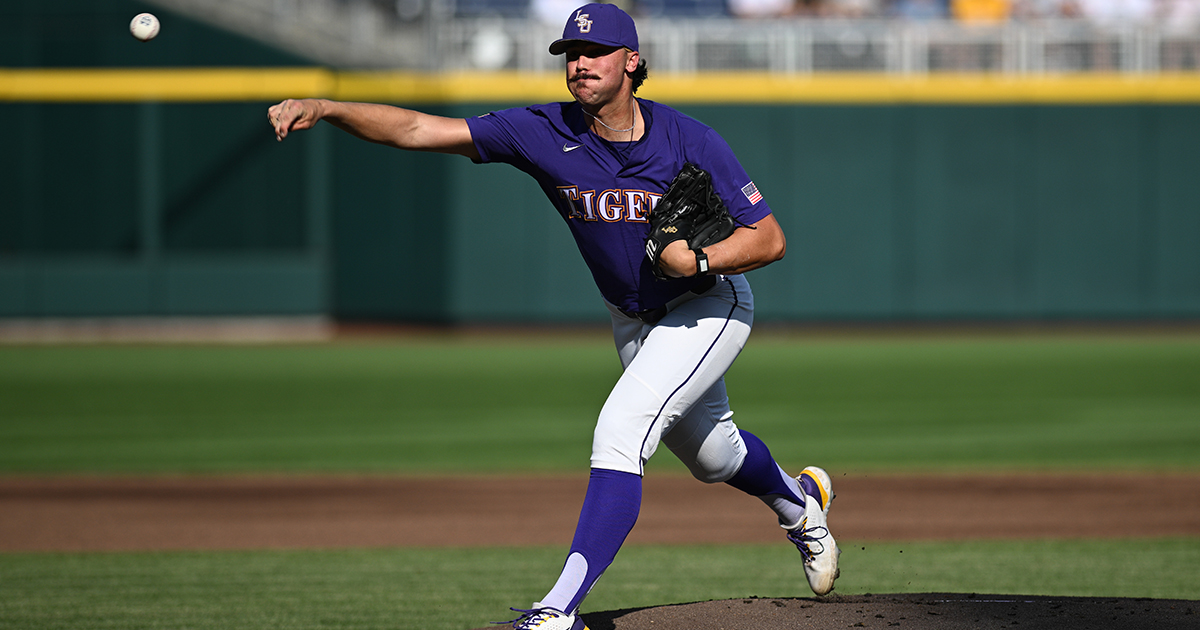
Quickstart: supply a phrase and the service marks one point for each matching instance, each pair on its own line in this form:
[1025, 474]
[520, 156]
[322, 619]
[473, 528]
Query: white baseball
[144, 26]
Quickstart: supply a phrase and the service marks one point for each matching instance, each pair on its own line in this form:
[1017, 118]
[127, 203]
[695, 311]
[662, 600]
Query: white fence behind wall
[805, 46]
[434, 35]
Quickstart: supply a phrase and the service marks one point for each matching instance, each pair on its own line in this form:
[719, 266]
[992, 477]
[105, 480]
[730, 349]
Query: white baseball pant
[673, 386]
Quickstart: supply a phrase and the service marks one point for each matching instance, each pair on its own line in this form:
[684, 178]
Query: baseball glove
[690, 210]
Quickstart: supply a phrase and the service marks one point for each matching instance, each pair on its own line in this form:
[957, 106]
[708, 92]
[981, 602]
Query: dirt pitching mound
[923, 611]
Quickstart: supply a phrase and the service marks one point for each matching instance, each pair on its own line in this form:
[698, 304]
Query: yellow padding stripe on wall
[161, 84]
[270, 84]
[929, 89]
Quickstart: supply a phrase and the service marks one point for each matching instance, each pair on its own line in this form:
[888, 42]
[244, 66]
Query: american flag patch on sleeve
[751, 192]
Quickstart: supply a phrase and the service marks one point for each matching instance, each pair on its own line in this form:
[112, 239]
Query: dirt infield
[114, 514]
[90, 514]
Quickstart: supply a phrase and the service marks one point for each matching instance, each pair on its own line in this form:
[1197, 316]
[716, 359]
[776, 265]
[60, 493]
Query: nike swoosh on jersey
[567, 149]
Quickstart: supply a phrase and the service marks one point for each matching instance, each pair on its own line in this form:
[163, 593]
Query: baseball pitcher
[667, 220]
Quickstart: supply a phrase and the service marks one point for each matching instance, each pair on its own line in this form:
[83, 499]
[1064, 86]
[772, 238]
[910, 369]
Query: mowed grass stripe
[454, 589]
[517, 404]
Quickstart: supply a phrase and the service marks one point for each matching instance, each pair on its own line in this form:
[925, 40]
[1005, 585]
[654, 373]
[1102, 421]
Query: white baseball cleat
[811, 535]
[546, 619]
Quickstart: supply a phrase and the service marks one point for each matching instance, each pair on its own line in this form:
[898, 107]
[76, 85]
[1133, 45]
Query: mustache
[583, 75]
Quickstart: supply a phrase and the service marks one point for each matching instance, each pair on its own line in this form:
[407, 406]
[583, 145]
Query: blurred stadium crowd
[1173, 15]
[778, 36]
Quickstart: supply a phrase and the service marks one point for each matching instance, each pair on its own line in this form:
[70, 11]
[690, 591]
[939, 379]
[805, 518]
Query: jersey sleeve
[497, 138]
[731, 182]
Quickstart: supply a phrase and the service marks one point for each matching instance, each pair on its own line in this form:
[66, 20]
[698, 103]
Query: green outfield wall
[902, 211]
[914, 211]
[142, 179]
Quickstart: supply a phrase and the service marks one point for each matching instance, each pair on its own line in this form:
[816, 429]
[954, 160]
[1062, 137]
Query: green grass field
[526, 405]
[455, 589]
[489, 406]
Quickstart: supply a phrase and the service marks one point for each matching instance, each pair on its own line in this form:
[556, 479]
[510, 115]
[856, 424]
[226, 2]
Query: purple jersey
[604, 191]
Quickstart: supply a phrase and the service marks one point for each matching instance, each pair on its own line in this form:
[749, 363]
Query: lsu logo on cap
[582, 21]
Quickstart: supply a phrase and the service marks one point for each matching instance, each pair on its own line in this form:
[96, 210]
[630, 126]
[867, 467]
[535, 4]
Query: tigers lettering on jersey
[629, 205]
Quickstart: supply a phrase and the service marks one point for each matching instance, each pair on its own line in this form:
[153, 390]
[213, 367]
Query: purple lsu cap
[604, 24]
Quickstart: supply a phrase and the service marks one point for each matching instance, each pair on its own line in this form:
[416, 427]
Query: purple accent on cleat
[810, 487]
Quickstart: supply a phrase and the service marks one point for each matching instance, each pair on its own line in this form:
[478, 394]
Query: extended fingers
[282, 116]
[274, 113]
